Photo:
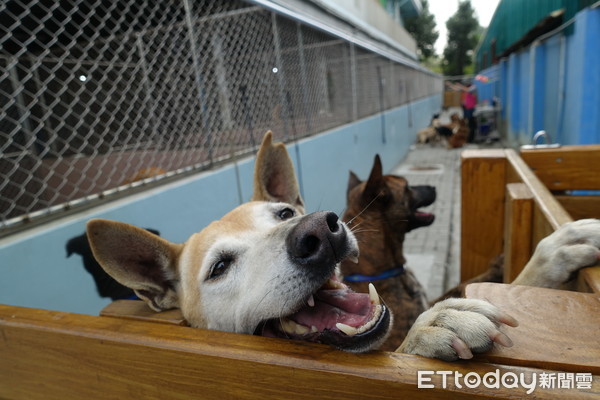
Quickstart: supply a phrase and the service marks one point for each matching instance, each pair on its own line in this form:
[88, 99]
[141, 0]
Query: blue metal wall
[553, 85]
[33, 265]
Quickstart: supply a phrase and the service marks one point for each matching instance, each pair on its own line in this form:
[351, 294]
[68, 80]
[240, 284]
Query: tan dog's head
[263, 268]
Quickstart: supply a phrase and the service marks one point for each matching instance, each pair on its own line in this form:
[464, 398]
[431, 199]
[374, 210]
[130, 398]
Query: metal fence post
[24, 112]
[304, 77]
[353, 82]
[381, 80]
[279, 73]
[146, 82]
[198, 76]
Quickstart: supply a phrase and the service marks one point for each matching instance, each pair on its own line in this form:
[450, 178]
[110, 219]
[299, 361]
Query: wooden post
[517, 229]
[483, 173]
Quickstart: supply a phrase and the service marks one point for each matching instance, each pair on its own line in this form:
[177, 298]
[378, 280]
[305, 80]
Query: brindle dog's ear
[137, 259]
[375, 182]
[274, 176]
[353, 181]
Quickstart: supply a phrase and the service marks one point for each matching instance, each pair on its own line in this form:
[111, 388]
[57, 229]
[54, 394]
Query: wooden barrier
[558, 329]
[54, 355]
[566, 167]
[496, 216]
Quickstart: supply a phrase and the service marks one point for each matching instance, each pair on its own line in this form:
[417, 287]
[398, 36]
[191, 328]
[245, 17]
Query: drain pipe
[561, 88]
[532, 56]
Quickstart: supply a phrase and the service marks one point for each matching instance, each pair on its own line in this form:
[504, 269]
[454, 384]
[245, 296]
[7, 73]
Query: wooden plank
[138, 310]
[549, 208]
[580, 207]
[54, 355]
[548, 213]
[557, 329]
[542, 227]
[567, 167]
[517, 229]
[482, 209]
[588, 280]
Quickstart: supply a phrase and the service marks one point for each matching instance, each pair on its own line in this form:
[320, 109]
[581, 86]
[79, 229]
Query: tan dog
[265, 268]
[460, 132]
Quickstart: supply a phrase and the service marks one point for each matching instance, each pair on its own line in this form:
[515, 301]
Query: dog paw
[457, 328]
[571, 247]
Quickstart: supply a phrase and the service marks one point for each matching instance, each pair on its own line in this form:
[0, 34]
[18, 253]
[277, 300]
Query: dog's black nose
[318, 240]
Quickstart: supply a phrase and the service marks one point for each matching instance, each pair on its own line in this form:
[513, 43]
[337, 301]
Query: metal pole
[198, 77]
[381, 103]
[148, 89]
[281, 82]
[24, 112]
[52, 134]
[279, 72]
[353, 82]
[532, 55]
[304, 78]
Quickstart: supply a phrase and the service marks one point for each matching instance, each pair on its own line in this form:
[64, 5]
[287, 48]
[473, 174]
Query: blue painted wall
[33, 265]
[553, 85]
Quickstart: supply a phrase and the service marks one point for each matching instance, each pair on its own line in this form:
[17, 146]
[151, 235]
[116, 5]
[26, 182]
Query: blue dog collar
[390, 273]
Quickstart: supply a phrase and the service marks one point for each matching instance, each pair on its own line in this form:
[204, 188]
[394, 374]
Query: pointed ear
[353, 181]
[137, 259]
[274, 176]
[375, 181]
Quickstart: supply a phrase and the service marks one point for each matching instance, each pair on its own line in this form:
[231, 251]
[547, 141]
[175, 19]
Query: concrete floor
[433, 252]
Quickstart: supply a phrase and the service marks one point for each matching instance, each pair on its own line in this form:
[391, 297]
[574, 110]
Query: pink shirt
[470, 100]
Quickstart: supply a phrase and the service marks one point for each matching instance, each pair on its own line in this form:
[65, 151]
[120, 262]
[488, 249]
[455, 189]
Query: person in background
[469, 102]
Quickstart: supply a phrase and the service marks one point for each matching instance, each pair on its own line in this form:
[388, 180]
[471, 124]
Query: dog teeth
[331, 284]
[373, 295]
[351, 331]
[293, 328]
[347, 329]
[354, 259]
[314, 329]
[311, 301]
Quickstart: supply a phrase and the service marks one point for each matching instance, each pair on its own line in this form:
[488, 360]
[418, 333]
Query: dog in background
[455, 133]
[381, 211]
[460, 132]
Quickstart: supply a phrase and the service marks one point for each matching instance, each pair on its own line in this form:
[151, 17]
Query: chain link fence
[100, 96]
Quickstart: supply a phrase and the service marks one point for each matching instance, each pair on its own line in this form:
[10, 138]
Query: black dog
[105, 285]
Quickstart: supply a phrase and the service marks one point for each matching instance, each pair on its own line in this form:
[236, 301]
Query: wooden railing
[55, 355]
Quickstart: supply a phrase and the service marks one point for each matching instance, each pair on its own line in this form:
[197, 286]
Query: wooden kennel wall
[508, 204]
[56, 355]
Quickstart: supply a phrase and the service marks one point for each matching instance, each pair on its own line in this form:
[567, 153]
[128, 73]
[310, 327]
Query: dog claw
[373, 295]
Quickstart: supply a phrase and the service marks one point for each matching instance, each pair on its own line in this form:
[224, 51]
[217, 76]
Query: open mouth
[419, 219]
[423, 196]
[337, 316]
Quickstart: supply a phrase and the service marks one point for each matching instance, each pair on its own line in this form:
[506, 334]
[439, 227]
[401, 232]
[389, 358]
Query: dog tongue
[333, 306]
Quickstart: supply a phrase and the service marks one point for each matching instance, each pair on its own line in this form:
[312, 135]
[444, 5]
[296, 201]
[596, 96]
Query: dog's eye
[219, 268]
[286, 213]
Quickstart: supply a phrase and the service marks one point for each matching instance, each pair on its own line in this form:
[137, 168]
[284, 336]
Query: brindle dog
[380, 212]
